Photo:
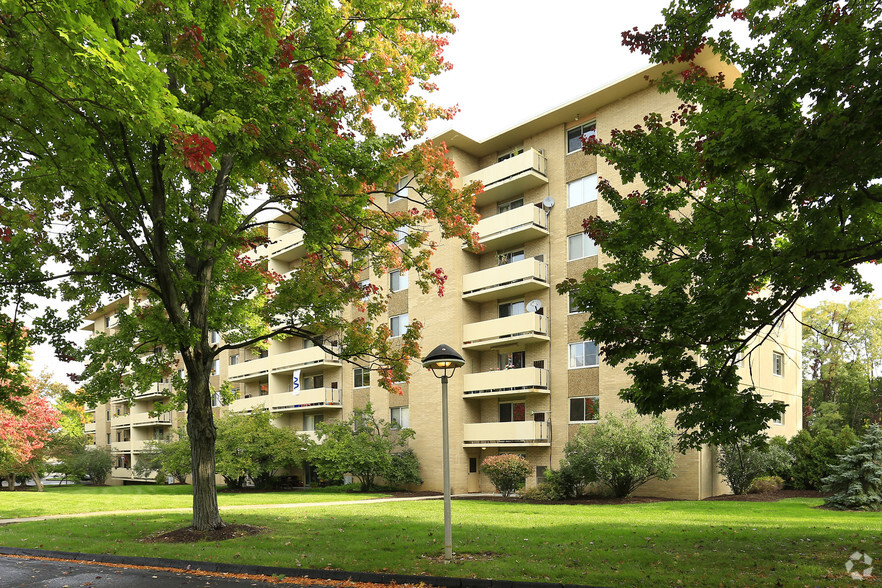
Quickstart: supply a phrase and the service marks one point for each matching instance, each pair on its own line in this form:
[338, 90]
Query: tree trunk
[10, 482]
[36, 477]
[202, 432]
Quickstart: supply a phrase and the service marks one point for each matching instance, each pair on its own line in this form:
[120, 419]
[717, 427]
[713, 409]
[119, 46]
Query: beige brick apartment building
[529, 381]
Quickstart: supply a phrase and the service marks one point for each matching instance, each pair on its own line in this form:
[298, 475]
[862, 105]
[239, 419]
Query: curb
[337, 575]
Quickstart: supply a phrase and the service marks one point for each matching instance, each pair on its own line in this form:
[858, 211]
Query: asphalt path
[15, 572]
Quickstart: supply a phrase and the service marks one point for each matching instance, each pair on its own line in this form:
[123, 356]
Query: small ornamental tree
[167, 458]
[508, 472]
[856, 479]
[741, 462]
[249, 446]
[623, 452]
[365, 447]
[95, 464]
[23, 437]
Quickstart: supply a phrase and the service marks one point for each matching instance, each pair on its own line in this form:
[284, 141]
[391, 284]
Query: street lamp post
[443, 361]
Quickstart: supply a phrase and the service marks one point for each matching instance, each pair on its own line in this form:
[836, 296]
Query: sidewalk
[234, 507]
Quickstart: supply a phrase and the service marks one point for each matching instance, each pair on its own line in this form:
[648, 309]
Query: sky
[513, 60]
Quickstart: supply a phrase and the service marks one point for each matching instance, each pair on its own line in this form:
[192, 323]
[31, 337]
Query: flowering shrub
[507, 472]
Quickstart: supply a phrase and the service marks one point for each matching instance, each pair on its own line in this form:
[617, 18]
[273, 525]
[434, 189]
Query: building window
[400, 417]
[401, 235]
[107, 322]
[361, 378]
[510, 205]
[574, 308]
[108, 415]
[215, 367]
[400, 190]
[363, 285]
[582, 190]
[234, 359]
[311, 420]
[512, 412]
[397, 280]
[311, 382]
[511, 308]
[580, 245]
[777, 363]
[575, 135]
[584, 409]
[583, 354]
[507, 257]
[779, 420]
[509, 154]
[108, 440]
[512, 361]
[216, 399]
[398, 324]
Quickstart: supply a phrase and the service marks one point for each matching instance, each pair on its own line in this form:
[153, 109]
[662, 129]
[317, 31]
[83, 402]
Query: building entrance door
[473, 482]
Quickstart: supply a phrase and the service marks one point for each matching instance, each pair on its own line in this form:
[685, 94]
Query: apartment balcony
[250, 404]
[520, 381]
[511, 228]
[288, 247]
[307, 399]
[505, 281]
[119, 421]
[143, 419]
[520, 328]
[121, 446]
[517, 434]
[302, 358]
[89, 428]
[121, 473]
[252, 369]
[89, 409]
[141, 445]
[158, 390]
[511, 177]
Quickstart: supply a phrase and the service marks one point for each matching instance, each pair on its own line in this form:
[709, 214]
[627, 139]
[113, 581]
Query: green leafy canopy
[759, 189]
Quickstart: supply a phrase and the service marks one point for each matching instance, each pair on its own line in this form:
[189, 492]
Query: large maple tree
[24, 435]
[755, 192]
[144, 146]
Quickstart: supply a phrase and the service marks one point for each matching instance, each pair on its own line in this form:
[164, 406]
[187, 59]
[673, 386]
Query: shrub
[815, 454]
[766, 484]
[507, 472]
[780, 461]
[622, 452]
[403, 470]
[857, 478]
[542, 492]
[563, 483]
[743, 461]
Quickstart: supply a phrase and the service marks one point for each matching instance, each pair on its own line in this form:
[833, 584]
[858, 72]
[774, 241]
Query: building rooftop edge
[584, 107]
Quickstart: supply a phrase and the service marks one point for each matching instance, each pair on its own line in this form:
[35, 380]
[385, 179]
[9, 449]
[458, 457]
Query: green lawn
[666, 543]
[77, 499]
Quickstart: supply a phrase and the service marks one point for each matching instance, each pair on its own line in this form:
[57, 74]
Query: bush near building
[815, 454]
[622, 452]
[366, 447]
[508, 472]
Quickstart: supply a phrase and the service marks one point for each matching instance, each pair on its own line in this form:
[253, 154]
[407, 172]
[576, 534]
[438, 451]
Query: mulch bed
[189, 535]
[770, 496]
[586, 500]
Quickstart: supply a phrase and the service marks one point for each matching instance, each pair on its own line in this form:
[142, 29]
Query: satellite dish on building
[534, 305]
[548, 203]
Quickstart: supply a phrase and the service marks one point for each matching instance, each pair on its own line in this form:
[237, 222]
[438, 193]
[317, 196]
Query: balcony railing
[249, 404]
[519, 381]
[307, 399]
[89, 428]
[295, 360]
[121, 446]
[511, 177]
[523, 328]
[525, 433]
[157, 390]
[310, 434]
[252, 369]
[290, 402]
[288, 246]
[505, 281]
[121, 473]
[118, 421]
[513, 227]
[143, 419]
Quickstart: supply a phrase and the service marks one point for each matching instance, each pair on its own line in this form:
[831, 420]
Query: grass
[666, 543]
[80, 499]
